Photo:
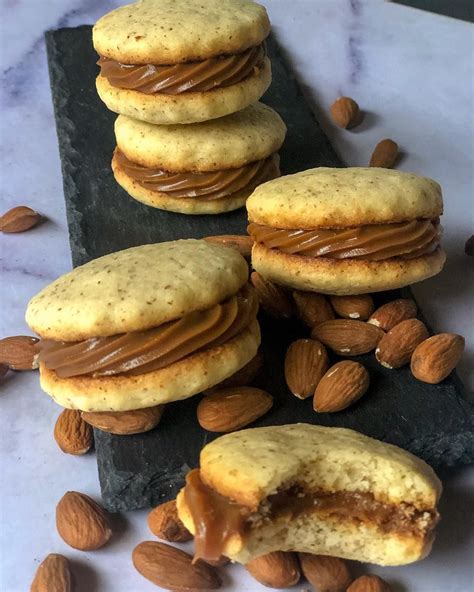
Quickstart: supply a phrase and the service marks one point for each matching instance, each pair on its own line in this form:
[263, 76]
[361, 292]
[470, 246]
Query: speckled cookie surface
[172, 31]
[228, 142]
[330, 198]
[136, 289]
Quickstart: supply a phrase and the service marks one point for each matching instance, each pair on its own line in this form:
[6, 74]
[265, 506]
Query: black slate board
[434, 422]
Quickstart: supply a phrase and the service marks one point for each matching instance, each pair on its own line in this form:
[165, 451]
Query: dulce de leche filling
[217, 518]
[144, 351]
[174, 79]
[372, 242]
[205, 186]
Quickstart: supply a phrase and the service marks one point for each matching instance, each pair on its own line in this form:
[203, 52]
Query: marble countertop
[410, 72]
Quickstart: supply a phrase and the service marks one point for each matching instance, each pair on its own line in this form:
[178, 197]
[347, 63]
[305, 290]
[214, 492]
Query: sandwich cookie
[145, 326]
[180, 61]
[200, 168]
[347, 231]
[311, 489]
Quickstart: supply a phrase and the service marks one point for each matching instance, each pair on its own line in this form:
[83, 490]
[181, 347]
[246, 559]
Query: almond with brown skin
[242, 377]
[345, 112]
[397, 346]
[231, 409]
[435, 358]
[305, 363]
[390, 314]
[272, 298]
[341, 386]
[125, 423]
[173, 569]
[19, 352]
[72, 434]
[347, 337]
[312, 308]
[19, 219]
[81, 522]
[276, 570]
[385, 154]
[163, 521]
[53, 575]
[326, 574]
[358, 307]
[369, 584]
[240, 242]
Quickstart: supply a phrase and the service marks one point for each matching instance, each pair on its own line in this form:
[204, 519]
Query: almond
[313, 308]
[19, 219]
[392, 313]
[305, 363]
[81, 522]
[172, 568]
[19, 352]
[230, 409]
[53, 575]
[396, 347]
[385, 154]
[240, 242]
[125, 422]
[326, 574]
[276, 570]
[242, 377]
[164, 523]
[347, 337]
[353, 307]
[345, 112]
[72, 434]
[435, 358]
[343, 384]
[369, 584]
[272, 298]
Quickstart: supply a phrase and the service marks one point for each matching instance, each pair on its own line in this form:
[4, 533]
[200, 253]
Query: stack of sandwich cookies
[145, 326]
[179, 61]
[200, 168]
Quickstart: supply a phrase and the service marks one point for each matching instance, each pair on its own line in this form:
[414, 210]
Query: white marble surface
[408, 69]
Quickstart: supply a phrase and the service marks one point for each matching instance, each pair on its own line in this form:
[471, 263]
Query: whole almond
[345, 112]
[272, 298]
[19, 352]
[385, 154]
[326, 574]
[240, 242]
[173, 569]
[125, 422]
[53, 575]
[230, 409]
[435, 358]
[397, 346]
[313, 308]
[163, 521]
[390, 314]
[276, 570]
[343, 384]
[369, 584]
[305, 363]
[353, 307]
[72, 434]
[347, 337]
[81, 522]
[242, 377]
[19, 219]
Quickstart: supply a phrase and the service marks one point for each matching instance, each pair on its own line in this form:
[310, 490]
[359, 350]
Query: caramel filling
[205, 186]
[373, 243]
[145, 351]
[174, 79]
[217, 518]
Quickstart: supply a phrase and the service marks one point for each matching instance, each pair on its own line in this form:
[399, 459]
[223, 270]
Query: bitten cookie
[201, 168]
[347, 231]
[180, 61]
[145, 326]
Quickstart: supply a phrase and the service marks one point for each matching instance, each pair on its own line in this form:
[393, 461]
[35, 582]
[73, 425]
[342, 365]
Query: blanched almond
[348, 337]
[163, 521]
[312, 308]
[390, 314]
[358, 307]
[343, 384]
[305, 363]
[326, 574]
[276, 570]
[272, 298]
[397, 346]
[435, 358]
[72, 434]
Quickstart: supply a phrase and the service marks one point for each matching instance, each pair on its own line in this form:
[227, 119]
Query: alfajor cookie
[312, 489]
[347, 231]
[201, 168]
[182, 61]
[145, 326]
